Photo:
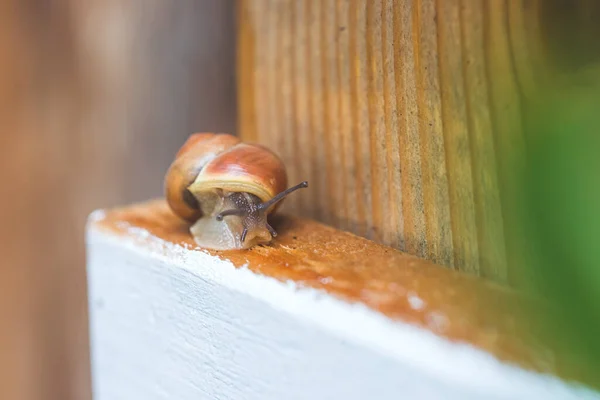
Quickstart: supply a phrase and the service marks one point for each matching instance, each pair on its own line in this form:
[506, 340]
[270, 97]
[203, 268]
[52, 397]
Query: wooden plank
[456, 137]
[348, 215]
[509, 140]
[487, 203]
[95, 98]
[359, 110]
[320, 313]
[333, 152]
[407, 117]
[433, 156]
[408, 155]
[245, 53]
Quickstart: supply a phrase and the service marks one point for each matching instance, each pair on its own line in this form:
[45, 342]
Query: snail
[226, 189]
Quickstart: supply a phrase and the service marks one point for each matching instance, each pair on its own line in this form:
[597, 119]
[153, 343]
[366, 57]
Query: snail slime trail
[226, 189]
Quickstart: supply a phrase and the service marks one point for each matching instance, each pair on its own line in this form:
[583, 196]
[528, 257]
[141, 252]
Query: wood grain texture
[405, 116]
[95, 99]
[457, 307]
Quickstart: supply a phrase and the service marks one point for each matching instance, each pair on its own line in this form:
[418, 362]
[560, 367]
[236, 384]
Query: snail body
[226, 189]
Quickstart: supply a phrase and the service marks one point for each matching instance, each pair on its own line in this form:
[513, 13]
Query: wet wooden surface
[457, 306]
[405, 116]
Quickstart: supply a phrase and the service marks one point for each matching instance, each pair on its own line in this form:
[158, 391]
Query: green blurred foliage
[558, 201]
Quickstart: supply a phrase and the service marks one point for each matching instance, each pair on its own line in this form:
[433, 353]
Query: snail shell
[226, 189]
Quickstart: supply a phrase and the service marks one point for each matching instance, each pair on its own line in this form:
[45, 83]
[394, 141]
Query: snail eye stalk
[233, 211]
[282, 195]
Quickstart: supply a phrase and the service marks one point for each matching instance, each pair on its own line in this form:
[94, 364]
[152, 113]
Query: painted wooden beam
[319, 314]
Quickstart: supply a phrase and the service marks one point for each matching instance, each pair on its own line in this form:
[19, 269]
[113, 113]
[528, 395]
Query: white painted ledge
[168, 322]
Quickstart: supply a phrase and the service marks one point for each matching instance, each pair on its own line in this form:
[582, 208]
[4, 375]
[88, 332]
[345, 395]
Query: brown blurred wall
[95, 98]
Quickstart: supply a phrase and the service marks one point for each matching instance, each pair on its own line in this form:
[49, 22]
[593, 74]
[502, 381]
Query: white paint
[172, 323]
[415, 301]
[96, 216]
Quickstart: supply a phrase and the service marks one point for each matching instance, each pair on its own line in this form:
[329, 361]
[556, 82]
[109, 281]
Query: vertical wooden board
[506, 116]
[360, 110]
[23, 359]
[245, 67]
[95, 98]
[431, 135]
[287, 128]
[490, 230]
[258, 19]
[525, 41]
[394, 214]
[314, 149]
[344, 70]
[304, 159]
[318, 110]
[274, 19]
[378, 165]
[43, 343]
[399, 113]
[456, 137]
[334, 210]
[413, 206]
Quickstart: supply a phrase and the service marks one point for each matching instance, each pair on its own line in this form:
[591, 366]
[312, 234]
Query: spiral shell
[208, 168]
[210, 161]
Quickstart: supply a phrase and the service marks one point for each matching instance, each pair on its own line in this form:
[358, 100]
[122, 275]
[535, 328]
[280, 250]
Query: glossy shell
[209, 163]
[243, 168]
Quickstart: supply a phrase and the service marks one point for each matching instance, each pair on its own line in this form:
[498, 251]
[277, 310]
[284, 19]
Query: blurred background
[95, 98]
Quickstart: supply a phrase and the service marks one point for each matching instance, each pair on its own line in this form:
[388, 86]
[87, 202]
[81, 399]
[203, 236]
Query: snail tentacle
[271, 230]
